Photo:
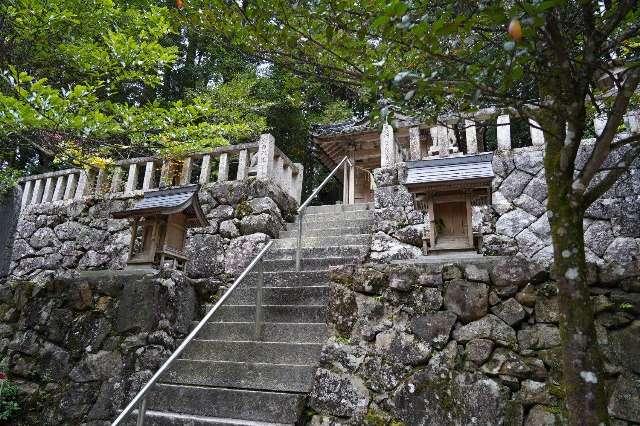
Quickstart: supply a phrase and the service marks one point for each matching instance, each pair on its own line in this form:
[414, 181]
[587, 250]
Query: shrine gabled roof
[450, 169]
[182, 199]
[359, 125]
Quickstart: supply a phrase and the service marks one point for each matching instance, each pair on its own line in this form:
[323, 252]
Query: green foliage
[8, 179]
[8, 400]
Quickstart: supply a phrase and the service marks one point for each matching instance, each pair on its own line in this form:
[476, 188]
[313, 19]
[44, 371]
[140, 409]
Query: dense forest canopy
[86, 83]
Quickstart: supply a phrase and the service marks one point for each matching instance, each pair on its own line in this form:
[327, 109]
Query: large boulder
[206, 253]
[339, 395]
[511, 223]
[261, 223]
[385, 248]
[434, 328]
[516, 271]
[242, 251]
[529, 161]
[513, 185]
[460, 398]
[625, 399]
[468, 300]
[490, 327]
[598, 236]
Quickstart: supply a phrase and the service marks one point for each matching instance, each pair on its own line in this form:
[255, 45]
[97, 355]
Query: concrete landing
[451, 257]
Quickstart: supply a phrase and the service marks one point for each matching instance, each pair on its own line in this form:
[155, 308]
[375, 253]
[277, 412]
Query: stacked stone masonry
[81, 345]
[466, 344]
[80, 234]
[519, 222]
[517, 219]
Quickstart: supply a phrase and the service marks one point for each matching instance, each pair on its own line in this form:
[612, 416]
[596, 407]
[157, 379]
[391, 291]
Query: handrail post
[299, 246]
[141, 412]
[259, 313]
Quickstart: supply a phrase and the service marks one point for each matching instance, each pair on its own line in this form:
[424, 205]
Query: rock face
[82, 344]
[462, 344]
[519, 223]
[83, 235]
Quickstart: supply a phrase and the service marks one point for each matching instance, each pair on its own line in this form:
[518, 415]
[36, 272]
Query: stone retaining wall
[520, 225]
[243, 216]
[81, 345]
[457, 345]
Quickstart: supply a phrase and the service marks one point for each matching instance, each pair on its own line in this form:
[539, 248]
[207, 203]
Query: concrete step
[352, 250]
[316, 295]
[363, 224]
[328, 241]
[162, 418]
[339, 208]
[271, 313]
[332, 217]
[291, 278]
[308, 332]
[253, 351]
[241, 404]
[327, 232]
[310, 264]
[242, 375]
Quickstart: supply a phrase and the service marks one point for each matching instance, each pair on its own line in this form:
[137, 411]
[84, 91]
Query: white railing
[443, 135]
[52, 187]
[135, 175]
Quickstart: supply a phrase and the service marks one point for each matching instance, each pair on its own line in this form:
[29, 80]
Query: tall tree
[440, 57]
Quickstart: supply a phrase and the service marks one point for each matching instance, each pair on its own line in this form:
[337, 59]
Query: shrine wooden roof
[182, 199]
[472, 167]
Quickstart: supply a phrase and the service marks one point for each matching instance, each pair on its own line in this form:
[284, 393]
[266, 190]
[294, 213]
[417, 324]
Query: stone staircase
[226, 377]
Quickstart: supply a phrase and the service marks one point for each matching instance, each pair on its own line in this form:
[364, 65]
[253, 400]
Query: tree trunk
[583, 375]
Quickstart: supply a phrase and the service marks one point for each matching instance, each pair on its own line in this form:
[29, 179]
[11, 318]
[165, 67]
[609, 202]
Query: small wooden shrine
[159, 223]
[447, 189]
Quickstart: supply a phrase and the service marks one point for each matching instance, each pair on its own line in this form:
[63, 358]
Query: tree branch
[603, 142]
[612, 176]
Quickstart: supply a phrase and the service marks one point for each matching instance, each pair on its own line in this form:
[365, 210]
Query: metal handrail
[142, 393]
[303, 206]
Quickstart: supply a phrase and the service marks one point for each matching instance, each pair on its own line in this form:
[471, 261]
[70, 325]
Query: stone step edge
[265, 306]
[265, 287]
[212, 341]
[190, 419]
[257, 364]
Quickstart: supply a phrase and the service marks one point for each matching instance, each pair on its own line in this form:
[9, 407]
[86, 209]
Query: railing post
[185, 174]
[205, 169]
[259, 313]
[47, 194]
[37, 192]
[299, 246]
[116, 178]
[243, 164]
[503, 132]
[147, 182]
[141, 412]
[470, 133]
[297, 182]
[414, 143]
[537, 135]
[132, 179]
[223, 167]
[70, 188]
[387, 147]
[26, 193]
[58, 191]
[82, 184]
[266, 152]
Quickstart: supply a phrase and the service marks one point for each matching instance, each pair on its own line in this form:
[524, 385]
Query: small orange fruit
[515, 30]
[180, 4]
